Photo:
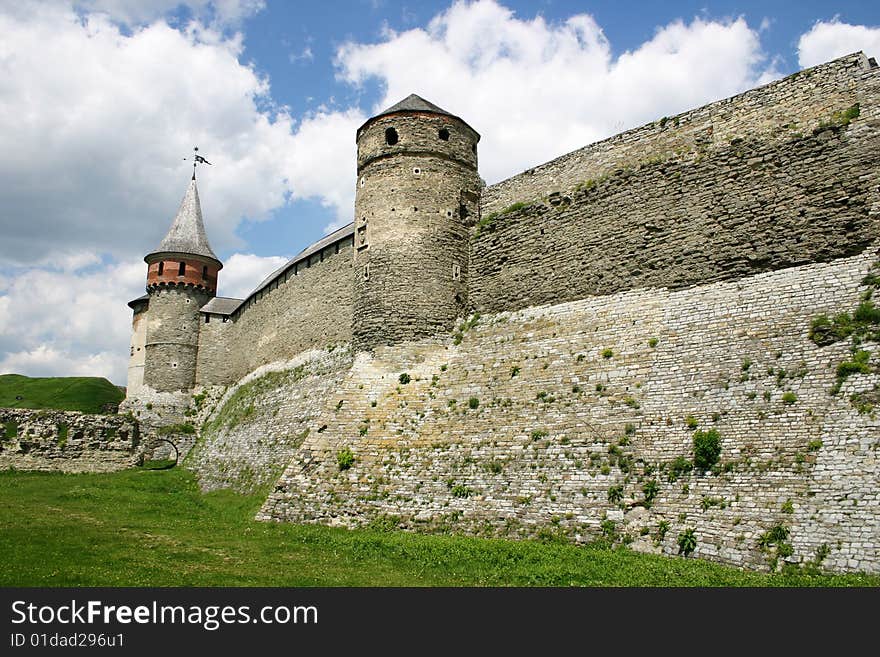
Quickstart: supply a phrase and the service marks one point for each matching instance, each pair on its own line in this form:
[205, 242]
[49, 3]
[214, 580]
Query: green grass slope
[75, 393]
[154, 528]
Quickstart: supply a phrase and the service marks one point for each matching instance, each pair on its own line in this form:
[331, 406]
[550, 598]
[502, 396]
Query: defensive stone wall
[578, 420]
[67, 441]
[774, 184]
[250, 434]
[309, 307]
[794, 104]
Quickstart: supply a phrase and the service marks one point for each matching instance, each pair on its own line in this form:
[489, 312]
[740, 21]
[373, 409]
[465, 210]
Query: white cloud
[138, 12]
[242, 272]
[305, 55]
[48, 361]
[323, 161]
[96, 125]
[69, 322]
[536, 90]
[831, 39]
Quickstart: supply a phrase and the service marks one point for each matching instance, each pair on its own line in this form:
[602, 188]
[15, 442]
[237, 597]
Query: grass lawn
[154, 528]
[74, 393]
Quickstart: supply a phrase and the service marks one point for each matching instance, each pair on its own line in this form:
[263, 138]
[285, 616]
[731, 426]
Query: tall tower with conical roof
[417, 191]
[181, 278]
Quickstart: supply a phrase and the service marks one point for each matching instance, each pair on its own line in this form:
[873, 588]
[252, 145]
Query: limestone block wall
[251, 432]
[738, 208]
[563, 420]
[308, 309]
[774, 111]
[67, 441]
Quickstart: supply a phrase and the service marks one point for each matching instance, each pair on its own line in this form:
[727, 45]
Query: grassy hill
[144, 527]
[75, 393]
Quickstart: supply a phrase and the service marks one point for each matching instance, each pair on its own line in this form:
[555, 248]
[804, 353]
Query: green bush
[789, 398]
[607, 353]
[460, 490]
[473, 403]
[404, 378]
[615, 494]
[344, 458]
[678, 467]
[651, 489]
[176, 428]
[687, 542]
[707, 449]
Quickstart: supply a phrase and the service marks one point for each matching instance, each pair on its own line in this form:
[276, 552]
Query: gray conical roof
[187, 232]
[414, 103]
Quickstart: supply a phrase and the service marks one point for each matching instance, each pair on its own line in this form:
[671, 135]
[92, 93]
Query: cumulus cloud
[96, 125]
[242, 272]
[536, 89]
[69, 322]
[72, 320]
[831, 39]
[133, 12]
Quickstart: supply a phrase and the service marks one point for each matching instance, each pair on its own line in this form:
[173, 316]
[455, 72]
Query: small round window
[390, 136]
[443, 133]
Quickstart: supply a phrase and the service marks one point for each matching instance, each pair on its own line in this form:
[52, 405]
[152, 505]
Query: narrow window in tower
[443, 133]
[456, 271]
[367, 272]
[207, 318]
[204, 272]
[390, 136]
[161, 268]
[181, 270]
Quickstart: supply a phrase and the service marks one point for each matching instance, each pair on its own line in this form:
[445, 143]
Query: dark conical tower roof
[187, 232]
[413, 103]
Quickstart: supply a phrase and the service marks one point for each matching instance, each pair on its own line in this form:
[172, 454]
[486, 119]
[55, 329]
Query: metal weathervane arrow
[196, 160]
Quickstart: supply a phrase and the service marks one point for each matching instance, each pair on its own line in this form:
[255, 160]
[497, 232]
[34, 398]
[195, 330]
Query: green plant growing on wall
[691, 422]
[660, 534]
[404, 378]
[514, 371]
[460, 490]
[62, 435]
[615, 494]
[607, 353]
[774, 543]
[650, 489]
[707, 449]
[344, 458]
[687, 542]
[789, 398]
[170, 429]
[652, 342]
[678, 467]
[473, 403]
[10, 429]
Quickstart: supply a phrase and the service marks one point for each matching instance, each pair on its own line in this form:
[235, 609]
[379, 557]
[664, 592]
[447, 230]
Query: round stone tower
[181, 278]
[417, 192]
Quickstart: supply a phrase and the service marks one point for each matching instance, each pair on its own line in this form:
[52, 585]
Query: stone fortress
[535, 358]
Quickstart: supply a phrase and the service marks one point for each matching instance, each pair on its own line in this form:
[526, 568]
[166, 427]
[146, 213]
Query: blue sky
[102, 99]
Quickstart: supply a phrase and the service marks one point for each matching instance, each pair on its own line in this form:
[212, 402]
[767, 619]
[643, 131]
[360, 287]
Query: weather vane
[196, 160]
